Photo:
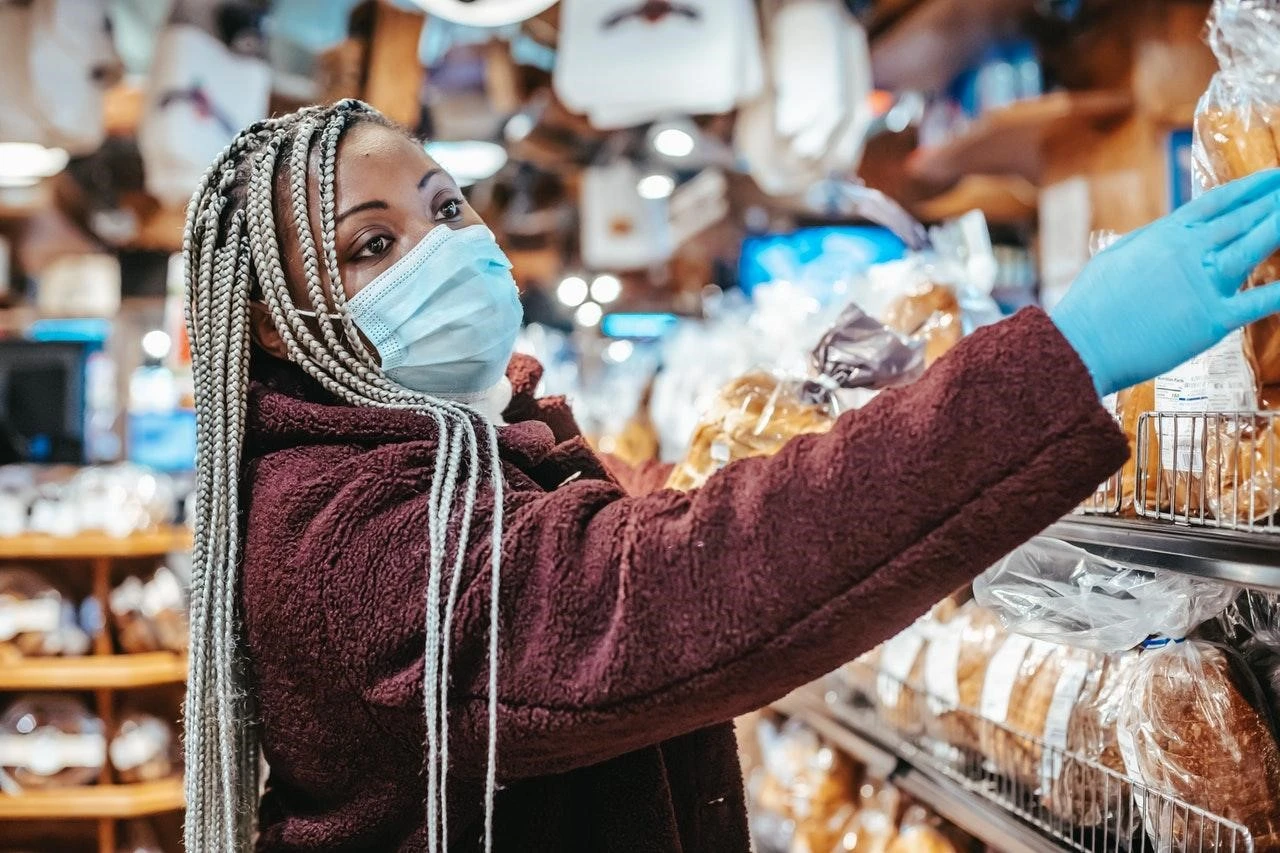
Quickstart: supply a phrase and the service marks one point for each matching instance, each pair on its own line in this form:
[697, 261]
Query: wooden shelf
[1003, 199]
[120, 802]
[1007, 141]
[87, 546]
[102, 672]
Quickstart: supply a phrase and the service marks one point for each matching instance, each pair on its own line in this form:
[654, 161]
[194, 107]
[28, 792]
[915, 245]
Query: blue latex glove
[1171, 290]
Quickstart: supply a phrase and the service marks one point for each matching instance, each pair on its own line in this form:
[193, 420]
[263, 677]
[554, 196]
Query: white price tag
[941, 665]
[997, 688]
[1057, 723]
[1128, 752]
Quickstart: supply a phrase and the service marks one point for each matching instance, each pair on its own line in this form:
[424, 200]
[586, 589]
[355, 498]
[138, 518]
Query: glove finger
[1238, 222]
[1230, 196]
[1236, 261]
[1255, 303]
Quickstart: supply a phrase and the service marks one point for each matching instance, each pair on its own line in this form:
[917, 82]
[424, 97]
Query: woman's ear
[263, 331]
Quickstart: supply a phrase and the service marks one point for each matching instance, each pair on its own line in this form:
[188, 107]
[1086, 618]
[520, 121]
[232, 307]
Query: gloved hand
[1171, 290]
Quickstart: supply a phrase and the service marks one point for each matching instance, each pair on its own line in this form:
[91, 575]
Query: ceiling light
[619, 351]
[468, 161]
[588, 314]
[656, 186]
[23, 164]
[518, 127]
[156, 344]
[673, 142]
[572, 292]
[606, 289]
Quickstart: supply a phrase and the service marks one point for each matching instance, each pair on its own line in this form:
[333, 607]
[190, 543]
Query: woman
[448, 623]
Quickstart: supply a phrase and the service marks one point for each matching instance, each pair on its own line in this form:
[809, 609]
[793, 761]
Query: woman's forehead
[369, 146]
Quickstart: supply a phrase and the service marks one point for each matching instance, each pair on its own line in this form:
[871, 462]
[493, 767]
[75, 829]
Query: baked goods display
[757, 414]
[808, 797]
[150, 614]
[144, 748]
[64, 501]
[49, 741]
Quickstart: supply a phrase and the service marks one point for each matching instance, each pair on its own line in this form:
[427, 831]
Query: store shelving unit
[102, 673]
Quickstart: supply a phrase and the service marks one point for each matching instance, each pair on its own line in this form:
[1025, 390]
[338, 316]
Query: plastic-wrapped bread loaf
[1189, 731]
[752, 416]
[955, 668]
[143, 749]
[1016, 696]
[30, 615]
[901, 698]
[49, 741]
[1071, 786]
[932, 316]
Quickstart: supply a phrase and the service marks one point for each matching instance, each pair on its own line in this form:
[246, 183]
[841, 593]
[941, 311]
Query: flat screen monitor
[42, 401]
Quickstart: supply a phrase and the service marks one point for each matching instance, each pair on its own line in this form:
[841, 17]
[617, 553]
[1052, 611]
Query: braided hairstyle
[231, 253]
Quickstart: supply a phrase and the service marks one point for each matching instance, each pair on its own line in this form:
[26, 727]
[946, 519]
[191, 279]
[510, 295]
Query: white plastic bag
[1053, 591]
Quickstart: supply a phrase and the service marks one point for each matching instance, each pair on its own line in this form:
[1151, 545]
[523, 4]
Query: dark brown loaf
[1196, 738]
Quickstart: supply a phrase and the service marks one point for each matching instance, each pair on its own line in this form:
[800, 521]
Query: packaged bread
[931, 315]
[901, 698]
[1237, 133]
[1080, 734]
[36, 619]
[954, 670]
[1016, 695]
[49, 741]
[1192, 730]
[150, 614]
[143, 749]
[921, 832]
[757, 414]
[874, 826]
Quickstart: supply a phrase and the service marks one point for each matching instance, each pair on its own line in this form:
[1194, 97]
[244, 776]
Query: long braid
[230, 247]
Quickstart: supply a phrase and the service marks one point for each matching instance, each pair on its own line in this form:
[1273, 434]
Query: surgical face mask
[443, 318]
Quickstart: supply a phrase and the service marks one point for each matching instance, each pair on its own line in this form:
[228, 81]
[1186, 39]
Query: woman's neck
[491, 403]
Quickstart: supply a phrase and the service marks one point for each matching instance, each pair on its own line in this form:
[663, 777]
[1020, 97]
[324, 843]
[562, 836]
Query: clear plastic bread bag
[955, 668]
[757, 414]
[901, 699]
[36, 619]
[1237, 131]
[921, 832]
[874, 826]
[143, 749]
[1191, 728]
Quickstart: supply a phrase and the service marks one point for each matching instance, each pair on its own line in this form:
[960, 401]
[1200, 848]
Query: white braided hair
[230, 251]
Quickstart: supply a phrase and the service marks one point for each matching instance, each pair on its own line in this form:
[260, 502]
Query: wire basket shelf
[1083, 802]
[1210, 470]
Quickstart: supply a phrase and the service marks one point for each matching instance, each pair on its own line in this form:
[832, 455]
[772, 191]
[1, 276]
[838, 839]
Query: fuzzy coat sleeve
[627, 620]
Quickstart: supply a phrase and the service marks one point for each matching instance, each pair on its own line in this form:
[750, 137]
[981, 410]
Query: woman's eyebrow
[431, 173]
[375, 204]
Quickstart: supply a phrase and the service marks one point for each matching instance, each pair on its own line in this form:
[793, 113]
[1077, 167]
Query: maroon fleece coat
[633, 626]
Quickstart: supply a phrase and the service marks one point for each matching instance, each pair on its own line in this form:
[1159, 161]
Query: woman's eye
[375, 247]
[451, 209]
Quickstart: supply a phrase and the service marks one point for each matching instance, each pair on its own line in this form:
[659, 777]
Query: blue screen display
[816, 257]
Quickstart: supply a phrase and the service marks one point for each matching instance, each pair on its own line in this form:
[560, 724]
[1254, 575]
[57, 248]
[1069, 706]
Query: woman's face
[388, 194]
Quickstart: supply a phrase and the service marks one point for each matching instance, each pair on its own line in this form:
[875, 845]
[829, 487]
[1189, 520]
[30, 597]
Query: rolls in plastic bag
[955, 669]
[1057, 592]
[803, 793]
[759, 413]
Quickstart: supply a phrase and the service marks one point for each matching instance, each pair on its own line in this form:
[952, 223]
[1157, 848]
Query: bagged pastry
[759, 413]
[36, 620]
[150, 615]
[1237, 133]
[954, 671]
[931, 315]
[921, 832]
[874, 827]
[143, 749]
[49, 741]
[1191, 729]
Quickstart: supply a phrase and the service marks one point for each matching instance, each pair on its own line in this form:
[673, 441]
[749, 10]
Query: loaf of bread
[1239, 138]
[1016, 694]
[901, 698]
[931, 315]
[1187, 730]
[50, 741]
[1072, 787]
[955, 668]
[752, 416]
[150, 614]
[1244, 456]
